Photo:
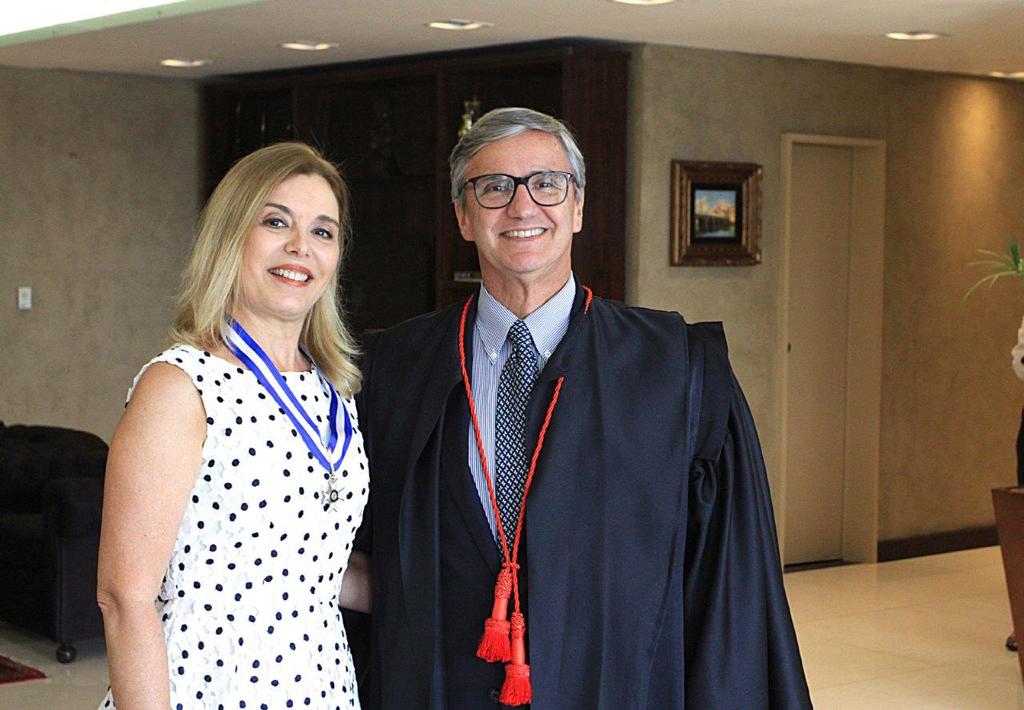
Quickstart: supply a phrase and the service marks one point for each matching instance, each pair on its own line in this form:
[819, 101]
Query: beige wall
[955, 183]
[98, 194]
[99, 181]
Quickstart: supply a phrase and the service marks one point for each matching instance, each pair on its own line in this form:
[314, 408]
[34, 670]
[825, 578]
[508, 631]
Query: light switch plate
[24, 298]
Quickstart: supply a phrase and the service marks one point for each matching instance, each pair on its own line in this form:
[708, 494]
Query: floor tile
[934, 689]
[920, 633]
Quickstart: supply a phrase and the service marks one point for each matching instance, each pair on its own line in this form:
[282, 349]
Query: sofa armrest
[72, 506]
[26, 470]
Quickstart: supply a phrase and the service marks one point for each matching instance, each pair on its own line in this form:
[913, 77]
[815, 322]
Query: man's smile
[524, 233]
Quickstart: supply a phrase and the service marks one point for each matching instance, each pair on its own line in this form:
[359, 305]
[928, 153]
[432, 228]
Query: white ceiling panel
[984, 35]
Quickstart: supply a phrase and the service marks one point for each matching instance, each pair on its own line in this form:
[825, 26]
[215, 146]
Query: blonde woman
[236, 478]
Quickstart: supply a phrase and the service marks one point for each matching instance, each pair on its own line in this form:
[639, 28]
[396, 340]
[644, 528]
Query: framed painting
[716, 214]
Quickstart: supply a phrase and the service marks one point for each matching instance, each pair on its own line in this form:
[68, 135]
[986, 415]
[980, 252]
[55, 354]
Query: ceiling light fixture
[180, 63]
[306, 45]
[915, 35]
[1007, 74]
[644, 2]
[459, 25]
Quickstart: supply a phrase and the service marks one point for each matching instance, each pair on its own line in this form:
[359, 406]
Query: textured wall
[951, 403]
[955, 182]
[98, 196]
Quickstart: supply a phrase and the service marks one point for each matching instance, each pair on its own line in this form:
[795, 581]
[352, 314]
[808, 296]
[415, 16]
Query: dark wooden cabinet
[238, 123]
[391, 125]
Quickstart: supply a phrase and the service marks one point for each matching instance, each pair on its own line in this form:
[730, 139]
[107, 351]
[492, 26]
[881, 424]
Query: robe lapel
[459, 480]
[418, 520]
[418, 560]
[558, 363]
[418, 513]
[440, 374]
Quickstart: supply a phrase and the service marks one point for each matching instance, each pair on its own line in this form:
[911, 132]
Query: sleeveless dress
[249, 601]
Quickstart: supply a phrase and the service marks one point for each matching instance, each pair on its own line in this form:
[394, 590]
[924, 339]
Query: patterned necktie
[510, 462]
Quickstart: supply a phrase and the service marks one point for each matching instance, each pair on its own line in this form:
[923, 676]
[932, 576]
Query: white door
[819, 273]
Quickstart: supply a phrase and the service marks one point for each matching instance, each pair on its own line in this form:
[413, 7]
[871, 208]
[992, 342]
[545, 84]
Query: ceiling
[984, 35]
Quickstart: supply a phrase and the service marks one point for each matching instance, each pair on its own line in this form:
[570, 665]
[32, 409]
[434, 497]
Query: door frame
[864, 341]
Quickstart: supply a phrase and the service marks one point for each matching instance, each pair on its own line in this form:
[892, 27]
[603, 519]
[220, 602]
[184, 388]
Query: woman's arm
[152, 465]
[356, 587]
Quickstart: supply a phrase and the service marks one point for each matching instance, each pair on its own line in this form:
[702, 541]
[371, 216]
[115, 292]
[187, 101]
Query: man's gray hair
[505, 123]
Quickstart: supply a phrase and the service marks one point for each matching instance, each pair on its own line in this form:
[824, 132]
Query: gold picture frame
[716, 214]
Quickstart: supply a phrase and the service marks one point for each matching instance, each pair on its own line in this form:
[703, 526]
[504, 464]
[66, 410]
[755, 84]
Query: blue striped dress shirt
[491, 349]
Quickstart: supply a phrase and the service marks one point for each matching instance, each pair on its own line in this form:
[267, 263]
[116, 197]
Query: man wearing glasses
[569, 508]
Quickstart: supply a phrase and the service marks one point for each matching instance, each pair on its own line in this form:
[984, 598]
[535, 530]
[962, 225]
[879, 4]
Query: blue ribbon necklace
[327, 452]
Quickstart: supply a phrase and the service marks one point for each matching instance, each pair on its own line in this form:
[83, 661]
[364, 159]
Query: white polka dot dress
[249, 601]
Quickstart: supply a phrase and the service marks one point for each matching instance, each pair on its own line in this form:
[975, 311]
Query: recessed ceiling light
[306, 45]
[1007, 74]
[456, 24]
[185, 63]
[644, 2]
[915, 35]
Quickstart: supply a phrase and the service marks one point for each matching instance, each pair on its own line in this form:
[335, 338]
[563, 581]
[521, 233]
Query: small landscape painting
[714, 213]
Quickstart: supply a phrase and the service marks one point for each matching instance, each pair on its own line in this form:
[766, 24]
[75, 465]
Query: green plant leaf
[990, 279]
[1006, 264]
[1001, 257]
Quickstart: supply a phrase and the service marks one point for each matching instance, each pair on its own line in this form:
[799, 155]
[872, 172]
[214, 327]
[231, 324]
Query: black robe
[653, 563]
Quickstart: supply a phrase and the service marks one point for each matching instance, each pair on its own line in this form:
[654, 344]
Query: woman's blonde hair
[210, 282]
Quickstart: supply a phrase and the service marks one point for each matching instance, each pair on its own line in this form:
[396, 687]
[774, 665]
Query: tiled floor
[80, 684]
[921, 633]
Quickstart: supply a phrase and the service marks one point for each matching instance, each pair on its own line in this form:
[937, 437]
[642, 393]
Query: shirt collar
[547, 324]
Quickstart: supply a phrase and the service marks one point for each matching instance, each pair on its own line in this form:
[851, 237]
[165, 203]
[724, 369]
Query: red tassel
[495, 645]
[516, 689]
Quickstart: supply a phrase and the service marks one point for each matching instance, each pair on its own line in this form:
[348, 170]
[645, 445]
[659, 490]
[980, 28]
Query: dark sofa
[51, 494]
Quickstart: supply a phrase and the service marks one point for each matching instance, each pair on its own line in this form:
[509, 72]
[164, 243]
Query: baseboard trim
[935, 543]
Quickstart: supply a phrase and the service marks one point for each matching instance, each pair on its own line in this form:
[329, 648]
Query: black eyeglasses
[547, 188]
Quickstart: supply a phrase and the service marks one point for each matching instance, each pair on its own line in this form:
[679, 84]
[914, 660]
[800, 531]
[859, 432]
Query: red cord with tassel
[516, 689]
[495, 645]
[504, 640]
